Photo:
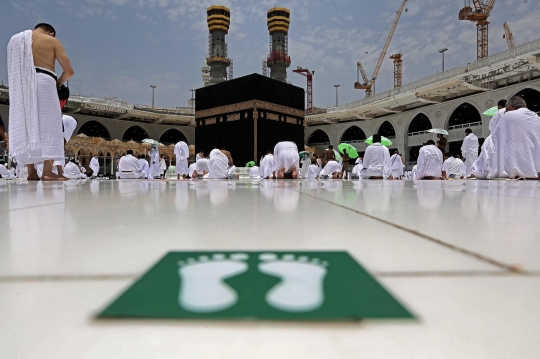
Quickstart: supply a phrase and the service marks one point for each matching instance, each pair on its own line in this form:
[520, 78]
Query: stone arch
[353, 133]
[95, 129]
[172, 136]
[531, 97]
[463, 114]
[318, 136]
[134, 133]
[419, 123]
[387, 130]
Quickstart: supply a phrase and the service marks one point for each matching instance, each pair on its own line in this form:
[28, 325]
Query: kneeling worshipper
[267, 165]
[94, 166]
[286, 160]
[396, 161]
[314, 170]
[357, 169]
[220, 162]
[255, 172]
[181, 151]
[129, 167]
[144, 166]
[516, 140]
[481, 167]
[430, 161]
[332, 168]
[73, 171]
[451, 168]
[376, 161]
[201, 166]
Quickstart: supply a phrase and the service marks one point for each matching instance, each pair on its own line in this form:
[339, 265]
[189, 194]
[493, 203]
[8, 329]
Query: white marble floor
[464, 256]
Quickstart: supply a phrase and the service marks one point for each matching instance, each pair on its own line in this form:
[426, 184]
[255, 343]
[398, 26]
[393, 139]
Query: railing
[472, 124]
[99, 101]
[318, 144]
[417, 133]
[167, 111]
[354, 141]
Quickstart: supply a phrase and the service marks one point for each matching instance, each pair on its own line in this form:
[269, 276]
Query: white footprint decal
[301, 287]
[202, 286]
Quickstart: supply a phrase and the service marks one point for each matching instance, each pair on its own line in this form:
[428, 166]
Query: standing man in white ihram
[35, 117]
[469, 149]
[181, 151]
[94, 166]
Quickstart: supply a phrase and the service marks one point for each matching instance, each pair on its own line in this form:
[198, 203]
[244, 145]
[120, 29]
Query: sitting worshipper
[414, 173]
[314, 170]
[516, 141]
[155, 171]
[332, 168]
[129, 167]
[181, 151]
[286, 160]
[463, 168]
[495, 119]
[255, 172]
[220, 162]
[144, 166]
[357, 169]
[4, 172]
[94, 166]
[469, 149]
[376, 161]
[267, 165]
[201, 166]
[430, 161]
[480, 168]
[451, 168]
[396, 162]
[72, 170]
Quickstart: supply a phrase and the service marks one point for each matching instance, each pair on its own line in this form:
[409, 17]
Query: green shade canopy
[492, 111]
[304, 154]
[351, 151]
[384, 141]
[250, 164]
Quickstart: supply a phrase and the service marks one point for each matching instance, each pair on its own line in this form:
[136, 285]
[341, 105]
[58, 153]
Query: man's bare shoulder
[225, 152]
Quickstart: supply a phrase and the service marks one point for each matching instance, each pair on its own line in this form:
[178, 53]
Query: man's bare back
[229, 157]
[46, 50]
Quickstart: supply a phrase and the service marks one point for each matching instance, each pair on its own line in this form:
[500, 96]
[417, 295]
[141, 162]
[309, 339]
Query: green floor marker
[257, 286]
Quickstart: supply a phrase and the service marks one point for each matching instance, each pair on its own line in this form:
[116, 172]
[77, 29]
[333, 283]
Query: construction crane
[309, 74]
[398, 69]
[480, 15]
[368, 84]
[509, 36]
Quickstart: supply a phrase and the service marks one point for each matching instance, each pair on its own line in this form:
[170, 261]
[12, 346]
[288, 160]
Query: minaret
[205, 74]
[218, 19]
[278, 26]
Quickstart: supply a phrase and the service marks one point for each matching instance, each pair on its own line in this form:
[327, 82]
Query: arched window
[464, 114]
[95, 129]
[419, 123]
[353, 133]
[532, 98]
[172, 136]
[134, 133]
[319, 136]
[387, 130]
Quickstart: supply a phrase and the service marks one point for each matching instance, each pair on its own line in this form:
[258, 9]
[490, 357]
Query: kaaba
[251, 114]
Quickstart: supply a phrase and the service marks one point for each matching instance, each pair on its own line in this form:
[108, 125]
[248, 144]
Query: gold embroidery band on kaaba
[249, 105]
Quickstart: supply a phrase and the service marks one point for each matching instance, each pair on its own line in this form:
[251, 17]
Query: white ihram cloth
[516, 140]
[430, 161]
[495, 119]
[255, 172]
[452, 166]
[145, 167]
[397, 166]
[469, 150]
[154, 163]
[305, 162]
[72, 171]
[94, 166]
[313, 172]
[129, 167]
[376, 162]
[481, 167]
[267, 166]
[192, 168]
[463, 168]
[414, 173]
[219, 165]
[202, 165]
[181, 151]
[286, 156]
[357, 170]
[69, 126]
[4, 172]
[162, 165]
[330, 168]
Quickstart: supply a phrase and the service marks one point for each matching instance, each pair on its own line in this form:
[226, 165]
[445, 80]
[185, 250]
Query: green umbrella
[385, 141]
[351, 151]
[492, 111]
[304, 154]
[338, 156]
[250, 164]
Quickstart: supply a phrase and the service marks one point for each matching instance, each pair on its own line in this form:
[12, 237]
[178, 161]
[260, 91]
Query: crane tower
[278, 26]
[509, 36]
[218, 19]
[398, 69]
[309, 90]
[480, 15]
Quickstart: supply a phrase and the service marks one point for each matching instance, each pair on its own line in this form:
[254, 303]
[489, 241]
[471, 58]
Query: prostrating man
[267, 165]
[332, 168]
[181, 151]
[73, 171]
[155, 171]
[144, 166]
[286, 160]
[162, 167]
[451, 168]
[469, 149]
[94, 166]
[35, 117]
[377, 161]
[314, 170]
[430, 161]
[220, 162]
[396, 161]
[255, 173]
[129, 167]
[516, 140]
[201, 166]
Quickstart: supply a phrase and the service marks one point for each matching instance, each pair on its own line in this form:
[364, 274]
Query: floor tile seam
[461, 250]
[460, 274]
[67, 278]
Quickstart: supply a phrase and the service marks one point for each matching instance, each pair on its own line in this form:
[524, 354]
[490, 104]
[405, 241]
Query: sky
[119, 48]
